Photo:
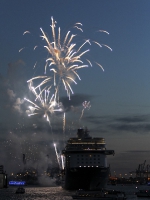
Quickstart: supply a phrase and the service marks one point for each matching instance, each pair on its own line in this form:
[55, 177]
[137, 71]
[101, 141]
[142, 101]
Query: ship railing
[85, 149]
[106, 152]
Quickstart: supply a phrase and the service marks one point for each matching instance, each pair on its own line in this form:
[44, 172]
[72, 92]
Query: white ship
[85, 164]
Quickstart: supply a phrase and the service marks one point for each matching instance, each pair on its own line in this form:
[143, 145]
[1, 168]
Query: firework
[86, 105]
[64, 58]
[46, 105]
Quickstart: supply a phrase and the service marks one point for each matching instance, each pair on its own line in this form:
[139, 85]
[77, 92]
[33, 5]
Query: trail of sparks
[86, 105]
[107, 47]
[104, 31]
[46, 105]
[57, 154]
[62, 161]
[64, 123]
[26, 32]
[21, 49]
[35, 47]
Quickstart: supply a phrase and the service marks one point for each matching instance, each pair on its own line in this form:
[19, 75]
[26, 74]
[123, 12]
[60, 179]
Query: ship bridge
[84, 142]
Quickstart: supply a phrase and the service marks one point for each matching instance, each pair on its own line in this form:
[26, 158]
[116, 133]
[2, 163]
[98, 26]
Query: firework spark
[86, 105]
[57, 154]
[62, 161]
[21, 49]
[104, 31]
[26, 32]
[35, 47]
[64, 123]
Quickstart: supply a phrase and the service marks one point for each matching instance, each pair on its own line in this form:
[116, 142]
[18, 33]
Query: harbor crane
[142, 172]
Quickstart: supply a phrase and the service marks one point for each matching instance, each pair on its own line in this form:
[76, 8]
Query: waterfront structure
[3, 177]
[85, 162]
[142, 173]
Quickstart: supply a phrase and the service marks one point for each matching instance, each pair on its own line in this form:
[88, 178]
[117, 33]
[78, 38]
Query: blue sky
[119, 96]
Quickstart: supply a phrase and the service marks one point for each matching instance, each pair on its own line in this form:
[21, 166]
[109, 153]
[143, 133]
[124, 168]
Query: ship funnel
[81, 133]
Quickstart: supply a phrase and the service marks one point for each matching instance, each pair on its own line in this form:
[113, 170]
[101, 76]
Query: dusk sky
[119, 95]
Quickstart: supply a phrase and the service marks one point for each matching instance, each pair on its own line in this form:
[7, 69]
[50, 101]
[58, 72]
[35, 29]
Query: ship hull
[87, 178]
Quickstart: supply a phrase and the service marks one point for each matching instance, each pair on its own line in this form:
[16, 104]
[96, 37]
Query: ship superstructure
[85, 162]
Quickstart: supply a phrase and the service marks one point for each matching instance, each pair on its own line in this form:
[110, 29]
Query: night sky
[119, 96]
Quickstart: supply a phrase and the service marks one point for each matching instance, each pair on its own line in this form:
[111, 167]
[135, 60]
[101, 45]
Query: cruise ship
[85, 162]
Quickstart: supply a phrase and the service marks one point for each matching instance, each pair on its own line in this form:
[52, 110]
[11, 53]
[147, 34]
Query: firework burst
[64, 58]
[46, 105]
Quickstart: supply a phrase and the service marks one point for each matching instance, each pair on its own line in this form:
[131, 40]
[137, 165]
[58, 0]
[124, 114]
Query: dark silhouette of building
[3, 177]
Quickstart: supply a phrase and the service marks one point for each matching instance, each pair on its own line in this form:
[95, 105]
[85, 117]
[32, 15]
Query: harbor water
[57, 193]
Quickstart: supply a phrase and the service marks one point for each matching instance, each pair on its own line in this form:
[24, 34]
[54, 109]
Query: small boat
[20, 190]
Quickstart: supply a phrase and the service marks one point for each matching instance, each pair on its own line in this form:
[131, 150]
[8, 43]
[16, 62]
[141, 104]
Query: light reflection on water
[57, 193]
[38, 193]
